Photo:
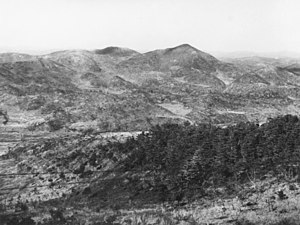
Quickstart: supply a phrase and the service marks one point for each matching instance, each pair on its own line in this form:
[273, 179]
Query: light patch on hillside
[231, 111]
[223, 78]
[176, 108]
[203, 85]
[180, 79]
[114, 91]
[291, 109]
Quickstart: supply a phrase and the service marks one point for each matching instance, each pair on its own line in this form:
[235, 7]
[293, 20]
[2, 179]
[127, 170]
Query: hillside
[78, 118]
[173, 174]
[119, 89]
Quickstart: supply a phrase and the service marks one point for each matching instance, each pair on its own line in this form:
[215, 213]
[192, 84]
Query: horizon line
[35, 52]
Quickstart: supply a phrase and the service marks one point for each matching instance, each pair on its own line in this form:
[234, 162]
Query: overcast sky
[35, 26]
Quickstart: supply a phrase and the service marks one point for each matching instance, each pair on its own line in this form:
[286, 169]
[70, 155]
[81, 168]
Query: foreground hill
[173, 174]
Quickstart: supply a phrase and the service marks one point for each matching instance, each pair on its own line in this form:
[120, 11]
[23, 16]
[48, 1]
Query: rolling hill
[124, 88]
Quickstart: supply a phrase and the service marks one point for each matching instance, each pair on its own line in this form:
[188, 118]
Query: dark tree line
[183, 157]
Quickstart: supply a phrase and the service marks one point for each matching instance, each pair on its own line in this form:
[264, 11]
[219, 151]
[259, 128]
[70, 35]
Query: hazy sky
[35, 26]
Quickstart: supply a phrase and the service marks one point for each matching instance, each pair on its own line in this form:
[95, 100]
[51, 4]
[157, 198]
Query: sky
[40, 26]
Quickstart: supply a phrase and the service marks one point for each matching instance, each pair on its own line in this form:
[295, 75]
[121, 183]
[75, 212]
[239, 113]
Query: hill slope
[124, 88]
[64, 109]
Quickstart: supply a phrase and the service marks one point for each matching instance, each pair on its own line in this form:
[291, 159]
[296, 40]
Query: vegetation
[172, 164]
[181, 158]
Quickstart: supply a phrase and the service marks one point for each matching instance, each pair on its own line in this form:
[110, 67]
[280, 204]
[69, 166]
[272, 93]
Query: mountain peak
[183, 47]
[116, 51]
[186, 50]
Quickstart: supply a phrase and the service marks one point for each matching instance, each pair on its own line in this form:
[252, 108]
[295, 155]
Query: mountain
[121, 89]
[183, 56]
[181, 64]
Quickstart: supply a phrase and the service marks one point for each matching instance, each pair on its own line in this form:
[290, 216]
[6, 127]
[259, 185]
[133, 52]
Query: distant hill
[242, 54]
[15, 57]
[116, 51]
[121, 89]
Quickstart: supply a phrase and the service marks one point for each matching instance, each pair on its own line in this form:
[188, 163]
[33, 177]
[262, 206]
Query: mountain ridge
[121, 85]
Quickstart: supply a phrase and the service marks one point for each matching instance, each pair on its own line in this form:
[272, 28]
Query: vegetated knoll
[226, 174]
[116, 52]
[181, 164]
